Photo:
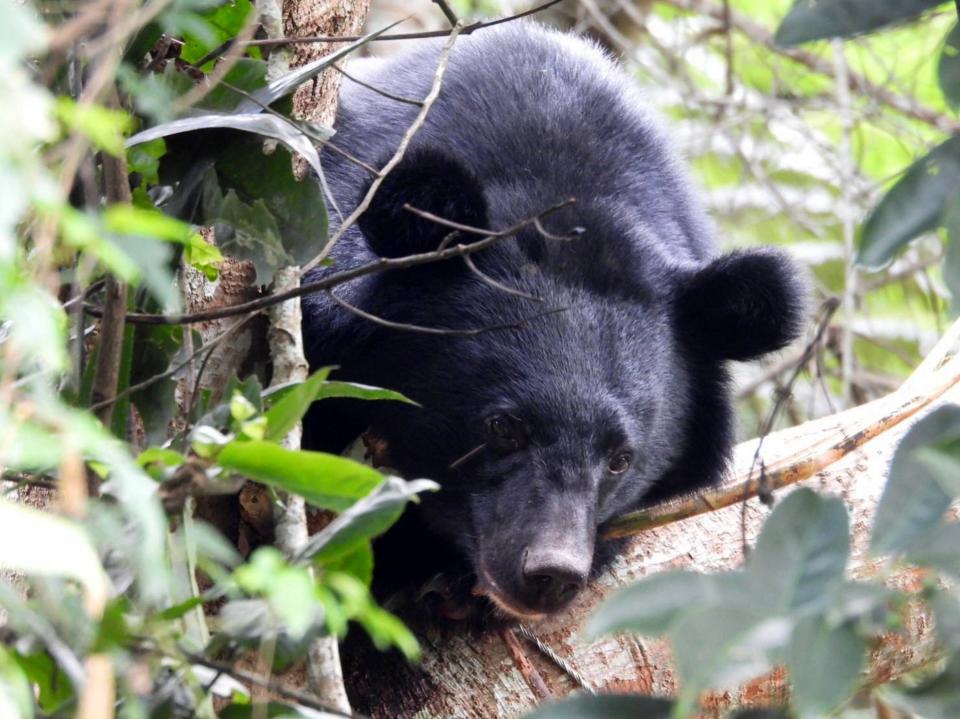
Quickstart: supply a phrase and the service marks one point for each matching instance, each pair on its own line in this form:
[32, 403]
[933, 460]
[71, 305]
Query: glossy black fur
[625, 350]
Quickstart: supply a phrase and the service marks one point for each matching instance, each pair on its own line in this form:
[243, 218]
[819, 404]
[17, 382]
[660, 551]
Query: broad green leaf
[820, 19]
[218, 26]
[653, 604]
[145, 160]
[913, 500]
[948, 69]
[946, 612]
[357, 563]
[104, 127]
[352, 390]
[290, 408]
[325, 480]
[157, 347]
[298, 207]
[20, 31]
[16, 694]
[720, 646]
[938, 547]
[368, 518]
[825, 664]
[916, 204]
[39, 543]
[247, 75]
[245, 231]
[266, 125]
[943, 463]
[605, 706]
[801, 553]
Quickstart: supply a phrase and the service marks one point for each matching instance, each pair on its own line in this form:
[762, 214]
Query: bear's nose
[553, 577]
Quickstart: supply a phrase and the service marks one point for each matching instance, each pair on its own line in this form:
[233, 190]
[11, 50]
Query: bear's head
[564, 382]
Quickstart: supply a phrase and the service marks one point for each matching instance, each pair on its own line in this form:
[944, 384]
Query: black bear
[580, 367]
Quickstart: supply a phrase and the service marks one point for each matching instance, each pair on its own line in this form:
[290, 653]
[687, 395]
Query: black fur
[624, 352]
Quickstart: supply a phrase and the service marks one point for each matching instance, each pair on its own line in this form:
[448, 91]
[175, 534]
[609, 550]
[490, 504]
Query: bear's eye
[506, 432]
[620, 462]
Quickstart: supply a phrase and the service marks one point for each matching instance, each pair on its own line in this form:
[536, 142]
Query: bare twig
[397, 156]
[467, 29]
[374, 88]
[448, 332]
[447, 12]
[380, 265]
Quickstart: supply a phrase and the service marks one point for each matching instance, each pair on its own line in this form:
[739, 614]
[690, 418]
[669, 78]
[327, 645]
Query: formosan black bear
[606, 392]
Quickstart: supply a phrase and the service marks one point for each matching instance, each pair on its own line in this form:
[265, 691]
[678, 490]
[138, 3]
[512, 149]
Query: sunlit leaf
[820, 19]
[35, 542]
[368, 518]
[801, 552]
[825, 664]
[325, 480]
[916, 204]
[913, 499]
[948, 69]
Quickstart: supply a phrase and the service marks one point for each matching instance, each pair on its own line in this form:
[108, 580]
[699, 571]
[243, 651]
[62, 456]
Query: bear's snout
[553, 576]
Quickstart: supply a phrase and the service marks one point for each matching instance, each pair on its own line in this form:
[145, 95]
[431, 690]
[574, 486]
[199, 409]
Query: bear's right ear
[743, 305]
[427, 180]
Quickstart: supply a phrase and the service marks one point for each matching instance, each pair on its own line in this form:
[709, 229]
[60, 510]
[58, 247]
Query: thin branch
[380, 265]
[449, 332]
[267, 683]
[759, 34]
[374, 88]
[467, 29]
[447, 12]
[468, 261]
[415, 126]
[206, 347]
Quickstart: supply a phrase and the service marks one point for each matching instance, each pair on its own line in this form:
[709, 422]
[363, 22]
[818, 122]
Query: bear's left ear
[743, 305]
[428, 180]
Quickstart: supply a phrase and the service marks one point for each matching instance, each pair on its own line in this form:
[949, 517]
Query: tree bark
[473, 677]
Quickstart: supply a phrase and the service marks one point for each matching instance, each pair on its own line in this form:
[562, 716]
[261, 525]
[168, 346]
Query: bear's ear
[743, 305]
[427, 180]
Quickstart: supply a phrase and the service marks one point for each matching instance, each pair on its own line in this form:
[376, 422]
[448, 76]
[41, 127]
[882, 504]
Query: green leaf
[913, 499]
[352, 390]
[946, 612]
[156, 348]
[220, 25]
[605, 706]
[951, 259]
[16, 694]
[20, 32]
[39, 543]
[913, 206]
[325, 480]
[289, 409]
[938, 547]
[244, 231]
[265, 125]
[653, 604]
[943, 463]
[825, 664]
[368, 518]
[721, 646]
[948, 69]
[104, 127]
[357, 563]
[145, 160]
[298, 207]
[821, 19]
[801, 553]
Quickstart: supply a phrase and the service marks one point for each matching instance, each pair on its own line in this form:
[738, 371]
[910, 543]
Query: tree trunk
[491, 675]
